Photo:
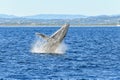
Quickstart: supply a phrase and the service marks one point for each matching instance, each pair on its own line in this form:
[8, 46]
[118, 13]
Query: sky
[79, 7]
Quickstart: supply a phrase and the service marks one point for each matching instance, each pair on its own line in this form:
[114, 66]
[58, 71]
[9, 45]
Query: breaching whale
[53, 41]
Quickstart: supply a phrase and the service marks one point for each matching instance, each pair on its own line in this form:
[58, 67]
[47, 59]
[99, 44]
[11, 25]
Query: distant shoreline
[48, 20]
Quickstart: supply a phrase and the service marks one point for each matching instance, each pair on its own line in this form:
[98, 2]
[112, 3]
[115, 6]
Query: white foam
[38, 47]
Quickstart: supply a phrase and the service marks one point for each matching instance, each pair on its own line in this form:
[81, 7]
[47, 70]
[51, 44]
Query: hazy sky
[82, 7]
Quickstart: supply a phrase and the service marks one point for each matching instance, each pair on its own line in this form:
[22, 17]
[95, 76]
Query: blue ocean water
[93, 54]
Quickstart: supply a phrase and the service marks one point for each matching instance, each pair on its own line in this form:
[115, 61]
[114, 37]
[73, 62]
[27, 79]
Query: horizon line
[57, 14]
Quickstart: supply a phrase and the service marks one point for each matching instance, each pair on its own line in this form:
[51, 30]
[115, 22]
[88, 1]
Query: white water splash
[38, 47]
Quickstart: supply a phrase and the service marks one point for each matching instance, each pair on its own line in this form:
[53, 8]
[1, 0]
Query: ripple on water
[92, 54]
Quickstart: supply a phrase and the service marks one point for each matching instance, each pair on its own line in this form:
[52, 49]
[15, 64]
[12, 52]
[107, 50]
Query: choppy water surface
[92, 54]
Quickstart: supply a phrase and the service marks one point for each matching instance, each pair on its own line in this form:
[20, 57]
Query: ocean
[93, 53]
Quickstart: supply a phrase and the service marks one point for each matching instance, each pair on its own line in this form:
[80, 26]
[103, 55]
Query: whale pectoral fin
[42, 35]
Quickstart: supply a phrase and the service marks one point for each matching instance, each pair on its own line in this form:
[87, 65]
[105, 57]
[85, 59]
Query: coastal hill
[59, 19]
[54, 16]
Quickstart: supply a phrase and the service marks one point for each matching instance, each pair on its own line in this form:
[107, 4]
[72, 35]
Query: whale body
[53, 41]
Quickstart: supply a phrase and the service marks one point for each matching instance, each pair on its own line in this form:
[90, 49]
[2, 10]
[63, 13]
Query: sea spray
[38, 47]
[62, 48]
